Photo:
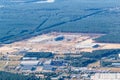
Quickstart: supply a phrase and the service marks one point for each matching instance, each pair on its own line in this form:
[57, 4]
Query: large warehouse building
[106, 76]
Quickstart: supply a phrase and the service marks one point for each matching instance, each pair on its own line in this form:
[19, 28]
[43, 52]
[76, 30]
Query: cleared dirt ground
[73, 42]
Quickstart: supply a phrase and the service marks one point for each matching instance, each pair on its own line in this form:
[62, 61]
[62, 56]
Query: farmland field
[20, 19]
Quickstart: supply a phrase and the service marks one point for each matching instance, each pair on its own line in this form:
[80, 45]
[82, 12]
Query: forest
[18, 22]
[12, 76]
[91, 57]
[39, 54]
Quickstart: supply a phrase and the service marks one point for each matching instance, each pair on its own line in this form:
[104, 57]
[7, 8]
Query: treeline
[90, 57]
[110, 38]
[79, 61]
[39, 54]
[12, 76]
[98, 54]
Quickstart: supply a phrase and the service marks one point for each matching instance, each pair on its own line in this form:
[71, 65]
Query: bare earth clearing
[73, 42]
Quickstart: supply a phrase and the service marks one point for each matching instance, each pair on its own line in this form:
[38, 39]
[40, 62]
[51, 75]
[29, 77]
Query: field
[26, 18]
[2, 65]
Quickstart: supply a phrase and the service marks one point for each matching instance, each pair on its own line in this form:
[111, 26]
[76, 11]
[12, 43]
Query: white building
[106, 76]
[29, 63]
[119, 55]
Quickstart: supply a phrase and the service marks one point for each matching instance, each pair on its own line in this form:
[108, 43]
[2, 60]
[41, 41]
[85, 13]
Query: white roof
[119, 55]
[25, 58]
[29, 62]
[106, 76]
[47, 62]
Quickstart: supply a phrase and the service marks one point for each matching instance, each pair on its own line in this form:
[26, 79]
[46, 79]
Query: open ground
[72, 43]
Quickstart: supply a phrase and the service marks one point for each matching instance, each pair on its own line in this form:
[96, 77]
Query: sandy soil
[73, 42]
[110, 69]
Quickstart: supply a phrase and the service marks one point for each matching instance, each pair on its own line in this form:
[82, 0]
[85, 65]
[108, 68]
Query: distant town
[62, 56]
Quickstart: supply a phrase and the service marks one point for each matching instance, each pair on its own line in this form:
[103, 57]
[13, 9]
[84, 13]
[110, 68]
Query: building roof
[47, 67]
[26, 67]
[29, 58]
[29, 62]
[106, 76]
[116, 64]
[48, 62]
